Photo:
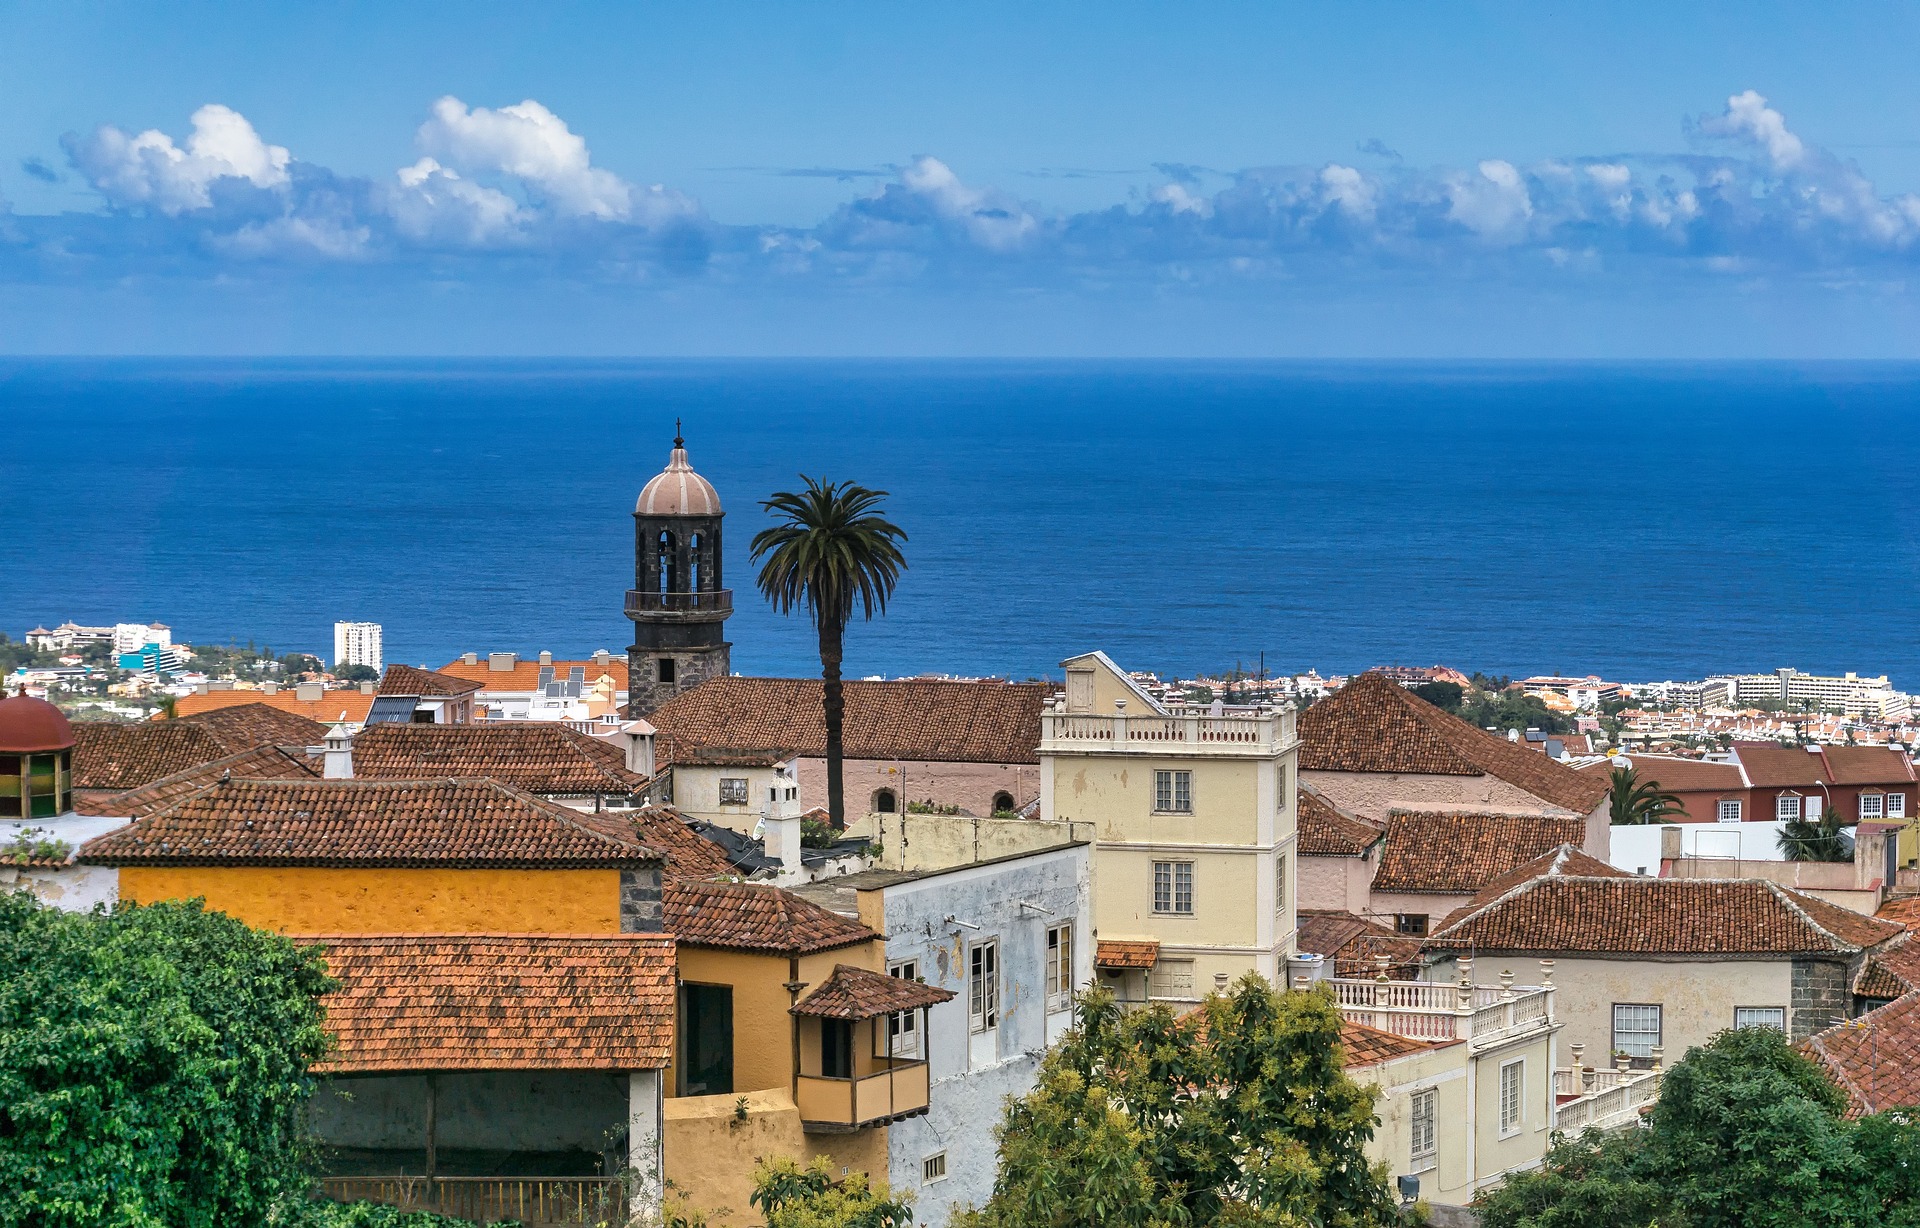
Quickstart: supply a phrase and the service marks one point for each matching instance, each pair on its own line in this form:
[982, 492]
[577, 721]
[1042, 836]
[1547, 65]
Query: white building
[358, 644]
[132, 637]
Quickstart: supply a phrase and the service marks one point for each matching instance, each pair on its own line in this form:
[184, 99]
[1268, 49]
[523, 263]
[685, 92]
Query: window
[1812, 806]
[934, 1167]
[1872, 805]
[903, 1028]
[983, 987]
[665, 668]
[1786, 807]
[1173, 886]
[1002, 802]
[1774, 1017]
[883, 802]
[1896, 805]
[1280, 885]
[1729, 810]
[1513, 1092]
[1171, 978]
[1173, 792]
[1059, 967]
[1425, 1149]
[1636, 1029]
[733, 790]
[1412, 924]
[36, 786]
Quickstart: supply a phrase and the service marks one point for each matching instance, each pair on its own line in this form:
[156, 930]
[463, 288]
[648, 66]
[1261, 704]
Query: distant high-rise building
[358, 644]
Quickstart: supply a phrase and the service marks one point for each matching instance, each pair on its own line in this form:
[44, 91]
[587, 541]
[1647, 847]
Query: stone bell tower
[678, 603]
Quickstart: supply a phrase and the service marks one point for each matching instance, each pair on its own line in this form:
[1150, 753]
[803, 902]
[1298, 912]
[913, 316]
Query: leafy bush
[32, 844]
[817, 834]
[794, 1197]
[320, 1214]
[153, 1068]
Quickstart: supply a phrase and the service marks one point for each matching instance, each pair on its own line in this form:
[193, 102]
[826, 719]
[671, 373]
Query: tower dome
[36, 759]
[29, 725]
[677, 490]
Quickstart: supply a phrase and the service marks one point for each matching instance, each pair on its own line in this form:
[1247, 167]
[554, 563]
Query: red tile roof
[412, 680]
[538, 756]
[1891, 971]
[1674, 774]
[1354, 943]
[688, 853]
[1113, 953]
[1904, 911]
[116, 757]
[1370, 1046]
[1774, 767]
[1870, 1058]
[410, 1002]
[262, 763]
[754, 917]
[1374, 725]
[347, 704]
[915, 719]
[1569, 860]
[1663, 916]
[1327, 831]
[856, 993]
[1455, 854]
[257, 724]
[450, 823]
[525, 674]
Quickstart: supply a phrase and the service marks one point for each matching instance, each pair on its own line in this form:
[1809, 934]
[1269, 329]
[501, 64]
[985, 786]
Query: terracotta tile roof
[499, 1001]
[754, 917]
[1326, 831]
[257, 724]
[1353, 943]
[261, 763]
[1904, 911]
[342, 704]
[856, 993]
[412, 680]
[451, 823]
[1455, 854]
[116, 757]
[1869, 1058]
[525, 674]
[1675, 775]
[1666, 916]
[538, 756]
[1110, 953]
[1775, 767]
[1374, 725]
[1889, 973]
[1370, 1046]
[1569, 860]
[961, 722]
[688, 853]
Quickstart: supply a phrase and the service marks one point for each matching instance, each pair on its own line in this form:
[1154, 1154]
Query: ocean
[1636, 521]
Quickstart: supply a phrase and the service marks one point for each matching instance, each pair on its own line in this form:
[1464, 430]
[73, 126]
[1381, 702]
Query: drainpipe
[794, 986]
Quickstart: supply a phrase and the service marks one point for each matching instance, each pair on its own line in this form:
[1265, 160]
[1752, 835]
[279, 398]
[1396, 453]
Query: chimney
[601, 656]
[367, 688]
[638, 736]
[501, 662]
[338, 754]
[269, 688]
[470, 658]
[783, 840]
[309, 692]
[546, 658]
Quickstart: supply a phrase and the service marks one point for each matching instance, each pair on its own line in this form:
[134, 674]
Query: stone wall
[640, 906]
[1820, 995]
[691, 667]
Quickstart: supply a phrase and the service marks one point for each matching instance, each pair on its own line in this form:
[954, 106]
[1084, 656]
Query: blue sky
[1368, 180]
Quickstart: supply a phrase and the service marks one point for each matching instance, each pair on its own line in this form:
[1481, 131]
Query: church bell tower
[678, 603]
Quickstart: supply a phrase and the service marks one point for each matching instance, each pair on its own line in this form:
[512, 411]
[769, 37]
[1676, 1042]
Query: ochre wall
[712, 1143]
[762, 1027]
[315, 900]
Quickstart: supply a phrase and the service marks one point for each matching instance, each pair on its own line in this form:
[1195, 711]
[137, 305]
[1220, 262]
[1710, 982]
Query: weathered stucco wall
[762, 1028]
[712, 1143]
[315, 900]
[970, 786]
[938, 841]
[1339, 883]
[74, 888]
[696, 793]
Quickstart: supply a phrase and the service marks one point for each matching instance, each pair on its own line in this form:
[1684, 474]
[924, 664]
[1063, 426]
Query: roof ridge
[331, 935]
[1511, 893]
[1792, 899]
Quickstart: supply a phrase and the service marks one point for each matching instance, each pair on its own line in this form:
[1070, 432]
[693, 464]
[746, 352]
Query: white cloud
[1749, 118]
[149, 169]
[1492, 204]
[432, 202]
[1347, 188]
[1178, 199]
[991, 218]
[530, 144]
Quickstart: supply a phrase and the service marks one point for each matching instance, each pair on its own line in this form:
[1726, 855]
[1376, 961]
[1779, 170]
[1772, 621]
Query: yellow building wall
[1224, 885]
[713, 1142]
[320, 900]
[1116, 795]
[1442, 1071]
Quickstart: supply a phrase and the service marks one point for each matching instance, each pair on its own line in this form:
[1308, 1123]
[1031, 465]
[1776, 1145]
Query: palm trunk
[834, 708]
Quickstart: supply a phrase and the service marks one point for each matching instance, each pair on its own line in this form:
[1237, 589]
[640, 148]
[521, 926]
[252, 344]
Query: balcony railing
[1604, 1099]
[529, 1200]
[899, 1089]
[1248, 731]
[719, 601]
[1419, 1010]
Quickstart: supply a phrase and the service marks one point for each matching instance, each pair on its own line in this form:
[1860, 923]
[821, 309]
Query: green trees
[1239, 1114]
[1821, 839]
[153, 1068]
[794, 1197]
[830, 551]
[1635, 802]
[1746, 1134]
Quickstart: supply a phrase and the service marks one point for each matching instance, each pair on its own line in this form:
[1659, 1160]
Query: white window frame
[1423, 1133]
[1659, 1027]
[1728, 809]
[1786, 807]
[1513, 1097]
[1877, 809]
[1896, 805]
[1173, 887]
[737, 787]
[1173, 791]
[1280, 885]
[933, 1168]
[1059, 968]
[983, 986]
[1760, 1017]
[903, 1027]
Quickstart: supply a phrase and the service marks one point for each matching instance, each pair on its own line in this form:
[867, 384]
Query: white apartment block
[1871, 699]
[132, 637]
[358, 644]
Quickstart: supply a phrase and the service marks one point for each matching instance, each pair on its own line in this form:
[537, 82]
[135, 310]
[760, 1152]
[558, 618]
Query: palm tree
[1818, 839]
[829, 551]
[1634, 803]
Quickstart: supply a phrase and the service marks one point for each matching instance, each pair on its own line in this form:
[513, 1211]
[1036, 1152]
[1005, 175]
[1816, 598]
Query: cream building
[1192, 810]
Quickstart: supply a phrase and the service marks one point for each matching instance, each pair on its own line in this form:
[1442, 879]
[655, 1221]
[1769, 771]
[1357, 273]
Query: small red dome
[28, 724]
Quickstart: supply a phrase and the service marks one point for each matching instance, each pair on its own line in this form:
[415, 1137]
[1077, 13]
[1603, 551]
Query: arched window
[693, 566]
[883, 801]
[1002, 801]
[669, 565]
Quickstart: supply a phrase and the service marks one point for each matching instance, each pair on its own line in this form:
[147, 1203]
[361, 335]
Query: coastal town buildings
[315, 701]
[358, 644]
[592, 692]
[408, 695]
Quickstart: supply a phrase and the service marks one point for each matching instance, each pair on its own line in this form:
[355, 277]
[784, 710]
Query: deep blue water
[1637, 521]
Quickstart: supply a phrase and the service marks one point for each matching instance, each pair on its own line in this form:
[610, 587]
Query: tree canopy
[1240, 1113]
[1747, 1133]
[1632, 801]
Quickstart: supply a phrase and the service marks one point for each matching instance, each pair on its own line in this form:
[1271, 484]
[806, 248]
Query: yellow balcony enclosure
[856, 1069]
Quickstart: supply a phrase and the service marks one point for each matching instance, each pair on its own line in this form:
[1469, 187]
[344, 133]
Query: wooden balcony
[537, 1202]
[898, 1089]
[679, 607]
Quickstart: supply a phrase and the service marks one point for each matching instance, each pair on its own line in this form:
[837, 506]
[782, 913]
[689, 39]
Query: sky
[1358, 180]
